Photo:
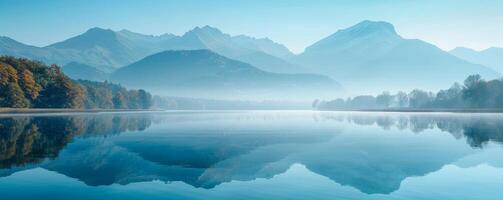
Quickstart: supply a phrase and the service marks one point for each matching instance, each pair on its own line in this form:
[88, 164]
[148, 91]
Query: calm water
[252, 155]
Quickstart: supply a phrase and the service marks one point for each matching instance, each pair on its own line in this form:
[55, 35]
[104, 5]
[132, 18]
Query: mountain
[265, 45]
[491, 57]
[84, 72]
[108, 50]
[11, 47]
[205, 74]
[371, 57]
[103, 49]
[262, 53]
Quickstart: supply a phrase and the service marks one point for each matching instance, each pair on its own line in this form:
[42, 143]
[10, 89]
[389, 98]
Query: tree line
[475, 93]
[31, 84]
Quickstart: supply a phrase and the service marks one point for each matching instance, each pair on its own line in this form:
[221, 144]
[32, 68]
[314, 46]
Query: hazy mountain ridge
[491, 57]
[80, 71]
[373, 52]
[203, 73]
[366, 57]
[261, 53]
[107, 50]
[99, 48]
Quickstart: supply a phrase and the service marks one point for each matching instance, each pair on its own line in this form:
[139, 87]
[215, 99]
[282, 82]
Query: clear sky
[446, 23]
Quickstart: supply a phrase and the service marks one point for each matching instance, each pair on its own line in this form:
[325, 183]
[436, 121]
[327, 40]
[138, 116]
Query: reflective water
[252, 155]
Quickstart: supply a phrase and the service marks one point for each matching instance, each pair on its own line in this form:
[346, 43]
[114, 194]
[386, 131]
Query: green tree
[119, 100]
[145, 99]
[476, 91]
[13, 96]
[62, 93]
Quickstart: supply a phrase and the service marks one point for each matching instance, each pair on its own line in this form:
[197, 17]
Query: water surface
[252, 155]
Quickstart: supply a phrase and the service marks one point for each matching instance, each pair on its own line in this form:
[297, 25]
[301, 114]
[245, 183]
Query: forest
[475, 93]
[31, 84]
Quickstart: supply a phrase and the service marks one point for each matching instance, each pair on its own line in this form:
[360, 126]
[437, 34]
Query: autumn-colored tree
[26, 83]
[31, 88]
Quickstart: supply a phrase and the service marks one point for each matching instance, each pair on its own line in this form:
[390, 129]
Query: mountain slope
[491, 57]
[262, 53]
[107, 50]
[371, 56]
[103, 49]
[84, 72]
[12, 47]
[202, 73]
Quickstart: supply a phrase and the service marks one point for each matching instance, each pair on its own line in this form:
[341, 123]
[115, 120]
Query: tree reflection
[478, 129]
[27, 140]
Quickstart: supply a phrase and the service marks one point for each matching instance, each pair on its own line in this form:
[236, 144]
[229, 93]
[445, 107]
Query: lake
[252, 155]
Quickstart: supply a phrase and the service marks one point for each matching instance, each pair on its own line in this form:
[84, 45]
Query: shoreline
[65, 110]
[429, 110]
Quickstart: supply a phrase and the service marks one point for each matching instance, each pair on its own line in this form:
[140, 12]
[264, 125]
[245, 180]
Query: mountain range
[371, 55]
[107, 50]
[203, 73]
[491, 57]
[366, 58]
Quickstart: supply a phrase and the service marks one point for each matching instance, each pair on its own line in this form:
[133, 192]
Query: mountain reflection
[208, 151]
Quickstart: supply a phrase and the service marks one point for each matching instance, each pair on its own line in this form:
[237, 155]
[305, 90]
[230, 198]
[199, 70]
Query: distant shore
[64, 110]
[474, 110]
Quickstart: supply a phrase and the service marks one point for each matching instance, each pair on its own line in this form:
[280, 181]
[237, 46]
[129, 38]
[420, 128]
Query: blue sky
[296, 24]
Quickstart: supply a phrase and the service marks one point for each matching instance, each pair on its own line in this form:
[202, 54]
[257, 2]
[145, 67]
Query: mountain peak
[89, 39]
[366, 33]
[98, 30]
[462, 49]
[368, 27]
[206, 29]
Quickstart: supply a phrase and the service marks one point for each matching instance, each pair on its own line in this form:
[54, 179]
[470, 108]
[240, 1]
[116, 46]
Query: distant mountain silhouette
[103, 49]
[203, 73]
[262, 53]
[107, 50]
[367, 57]
[84, 72]
[371, 56]
[11, 47]
[491, 57]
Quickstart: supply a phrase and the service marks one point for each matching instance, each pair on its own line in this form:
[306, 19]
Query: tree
[119, 100]
[13, 96]
[476, 91]
[384, 99]
[315, 103]
[31, 88]
[402, 99]
[62, 93]
[450, 98]
[420, 99]
[145, 99]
